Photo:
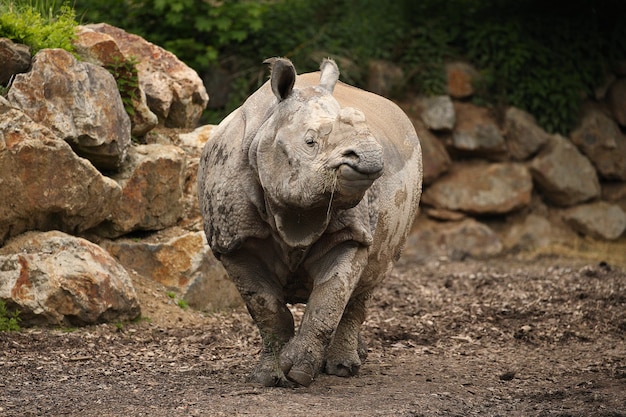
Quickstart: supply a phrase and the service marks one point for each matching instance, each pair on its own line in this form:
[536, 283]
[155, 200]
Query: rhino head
[311, 154]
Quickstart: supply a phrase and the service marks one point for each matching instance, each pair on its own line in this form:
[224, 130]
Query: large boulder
[438, 113]
[193, 143]
[174, 92]
[182, 261]
[44, 185]
[452, 240]
[481, 189]
[600, 220]
[615, 192]
[152, 184]
[563, 175]
[460, 78]
[616, 98]
[101, 49]
[600, 138]
[56, 279]
[477, 133]
[15, 58]
[435, 157]
[384, 77]
[524, 137]
[79, 102]
[534, 232]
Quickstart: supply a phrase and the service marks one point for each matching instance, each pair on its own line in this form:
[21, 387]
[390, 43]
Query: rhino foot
[300, 363]
[344, 362]
[348, 365]
[269, 374]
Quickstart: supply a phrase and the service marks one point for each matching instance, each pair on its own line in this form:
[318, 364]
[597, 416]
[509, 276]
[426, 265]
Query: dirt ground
[507, 337]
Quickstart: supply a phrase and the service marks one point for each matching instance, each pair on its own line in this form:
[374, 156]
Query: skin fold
[308, 192]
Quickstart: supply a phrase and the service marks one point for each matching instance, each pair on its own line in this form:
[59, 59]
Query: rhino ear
[329, 74]
[282, 78]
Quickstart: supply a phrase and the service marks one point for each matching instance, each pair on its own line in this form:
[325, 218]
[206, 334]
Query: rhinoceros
[307, 192]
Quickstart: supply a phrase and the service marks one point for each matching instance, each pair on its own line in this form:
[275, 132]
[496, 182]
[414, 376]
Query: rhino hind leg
[348, 351]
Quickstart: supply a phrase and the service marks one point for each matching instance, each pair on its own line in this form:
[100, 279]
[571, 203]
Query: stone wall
[90, 184]
[497, 183]
[76, 163]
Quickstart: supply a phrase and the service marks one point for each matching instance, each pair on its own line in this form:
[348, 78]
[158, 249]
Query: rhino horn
[329, 74]
[282, 78]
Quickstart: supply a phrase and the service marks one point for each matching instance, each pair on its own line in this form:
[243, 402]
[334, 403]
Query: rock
[443, 214]
[384, 77]
[152, 182]
[44, 185]
[460, 79]
[15, 58]
[196, 138]
[477, 133]
[57, 279]
[482, 189]
[193, 144]
[563, 175]
[453, 240]
[615, 192]
[101, 49]
[175, 92]
[533, 233]
[438, 113]
[435, 157]
[79, 102]
[600, 220]
[523, 136]
[616, 98]
[600, 138]
[600, 91]
[181, 261]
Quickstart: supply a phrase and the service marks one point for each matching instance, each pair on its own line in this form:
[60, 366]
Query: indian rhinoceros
[308, 191]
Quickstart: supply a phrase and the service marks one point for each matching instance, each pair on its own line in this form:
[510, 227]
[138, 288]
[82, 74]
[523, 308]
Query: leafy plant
[532, 54]
[183, 304]
[196, 31]
[38, 24]
[9, 322]
[125, 73]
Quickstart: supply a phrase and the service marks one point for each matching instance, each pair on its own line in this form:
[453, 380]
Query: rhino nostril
[351, 155]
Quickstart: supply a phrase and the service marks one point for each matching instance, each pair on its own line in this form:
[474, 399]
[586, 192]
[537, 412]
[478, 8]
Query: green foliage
[540, 56]
[38, 24]
[183, 304]
[125, 73]
[9, 322]
[194, 30]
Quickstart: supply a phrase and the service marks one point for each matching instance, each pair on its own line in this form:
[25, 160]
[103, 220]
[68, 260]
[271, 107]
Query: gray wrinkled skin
[308, 192]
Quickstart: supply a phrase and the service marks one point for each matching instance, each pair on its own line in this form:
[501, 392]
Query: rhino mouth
[352, 180]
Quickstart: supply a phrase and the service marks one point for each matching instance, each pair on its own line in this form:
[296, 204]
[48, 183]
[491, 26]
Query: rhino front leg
[347, 351]
[336, 275]
[263, 297]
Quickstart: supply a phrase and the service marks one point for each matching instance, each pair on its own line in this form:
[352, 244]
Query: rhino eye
[309, 139]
